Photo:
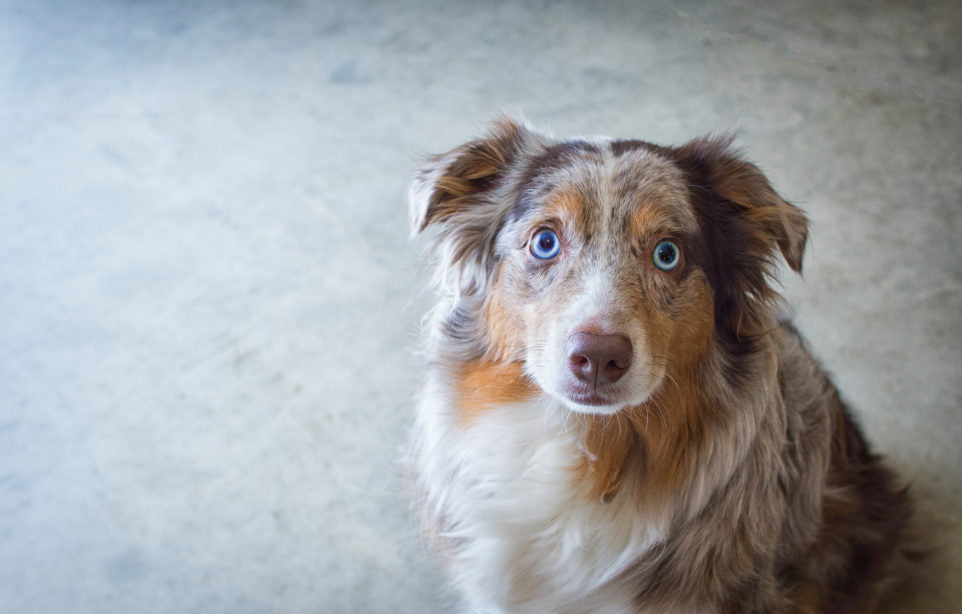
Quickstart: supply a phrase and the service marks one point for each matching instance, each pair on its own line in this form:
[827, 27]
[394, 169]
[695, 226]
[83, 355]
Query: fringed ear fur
[746, 223]
[744, 184]
[458, 194]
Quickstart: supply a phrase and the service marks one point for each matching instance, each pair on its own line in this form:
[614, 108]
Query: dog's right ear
[462, 195]
[451, 182]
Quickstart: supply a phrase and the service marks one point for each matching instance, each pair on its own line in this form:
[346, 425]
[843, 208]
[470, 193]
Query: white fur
[526, 535]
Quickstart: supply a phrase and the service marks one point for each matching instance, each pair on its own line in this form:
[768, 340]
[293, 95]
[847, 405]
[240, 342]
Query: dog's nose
[599, 359]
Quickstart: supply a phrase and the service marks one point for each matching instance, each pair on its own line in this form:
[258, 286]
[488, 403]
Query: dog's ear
[745, 223]
[449, 183]
[742, 183]
[463, 195]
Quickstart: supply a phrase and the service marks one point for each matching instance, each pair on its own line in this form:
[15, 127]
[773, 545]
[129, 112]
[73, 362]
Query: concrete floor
[208, 300]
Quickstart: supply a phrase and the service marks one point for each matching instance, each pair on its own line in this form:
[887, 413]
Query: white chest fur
[507, 492]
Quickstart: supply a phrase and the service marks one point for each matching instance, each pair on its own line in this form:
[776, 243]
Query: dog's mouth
[602, 396]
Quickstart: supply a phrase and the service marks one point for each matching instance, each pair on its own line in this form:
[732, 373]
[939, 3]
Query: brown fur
[488, 384]
[608, 442]
[776, 502]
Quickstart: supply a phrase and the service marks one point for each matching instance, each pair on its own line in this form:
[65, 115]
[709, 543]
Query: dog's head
[604, 267]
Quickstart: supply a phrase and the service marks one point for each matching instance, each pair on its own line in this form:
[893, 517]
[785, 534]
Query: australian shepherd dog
[614, 416]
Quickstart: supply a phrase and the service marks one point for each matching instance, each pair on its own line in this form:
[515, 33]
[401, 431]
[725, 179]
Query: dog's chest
[530, 531]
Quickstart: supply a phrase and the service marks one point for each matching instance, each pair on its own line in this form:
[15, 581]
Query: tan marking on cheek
[692, 334]
[505, 331]
[675, 421]
[483, 385]
[679, 326]
[659, 329]
[502, 320]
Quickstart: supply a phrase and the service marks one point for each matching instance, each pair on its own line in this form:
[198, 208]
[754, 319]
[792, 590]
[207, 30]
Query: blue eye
[545, 245]
[666, 255]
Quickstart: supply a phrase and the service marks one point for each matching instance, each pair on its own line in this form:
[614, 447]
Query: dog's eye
[666, 255]
[545, 244]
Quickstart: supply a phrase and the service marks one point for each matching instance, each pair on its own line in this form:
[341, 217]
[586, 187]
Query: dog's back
[862, 544]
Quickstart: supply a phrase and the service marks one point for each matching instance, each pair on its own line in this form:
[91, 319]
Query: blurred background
[208, 299]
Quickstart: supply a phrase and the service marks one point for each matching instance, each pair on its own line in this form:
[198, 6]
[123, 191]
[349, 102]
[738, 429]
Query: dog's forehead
[599, 184]
[653, 192]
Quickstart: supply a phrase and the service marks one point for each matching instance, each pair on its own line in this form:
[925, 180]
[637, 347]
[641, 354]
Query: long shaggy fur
[721, 473]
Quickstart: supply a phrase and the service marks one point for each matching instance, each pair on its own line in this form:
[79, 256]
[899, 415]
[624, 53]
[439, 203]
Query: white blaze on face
[597, 310]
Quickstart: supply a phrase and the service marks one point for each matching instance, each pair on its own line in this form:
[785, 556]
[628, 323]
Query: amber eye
[545, 245]
[666, 255]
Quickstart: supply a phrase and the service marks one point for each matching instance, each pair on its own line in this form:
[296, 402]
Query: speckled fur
[723, 473]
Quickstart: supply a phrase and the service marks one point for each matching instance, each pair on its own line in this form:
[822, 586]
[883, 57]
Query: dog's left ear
[743, 184]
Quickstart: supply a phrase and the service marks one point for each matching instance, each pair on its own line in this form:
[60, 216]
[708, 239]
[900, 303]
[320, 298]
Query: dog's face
[594, 286]
[605, 267]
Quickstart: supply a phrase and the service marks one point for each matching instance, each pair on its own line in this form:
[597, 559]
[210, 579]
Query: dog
[615, 417]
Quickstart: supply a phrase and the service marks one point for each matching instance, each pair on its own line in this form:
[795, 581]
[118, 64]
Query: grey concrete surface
[208, 300]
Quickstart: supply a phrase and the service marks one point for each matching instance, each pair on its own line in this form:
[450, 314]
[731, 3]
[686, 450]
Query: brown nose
[598, 359]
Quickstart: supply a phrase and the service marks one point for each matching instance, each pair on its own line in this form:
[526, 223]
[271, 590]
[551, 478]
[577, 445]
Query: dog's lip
[584, 396]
